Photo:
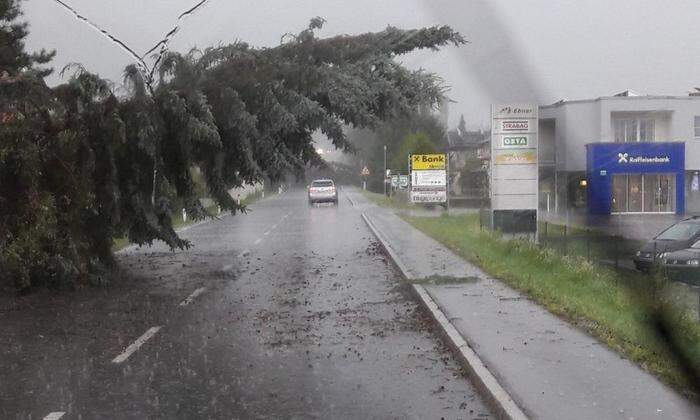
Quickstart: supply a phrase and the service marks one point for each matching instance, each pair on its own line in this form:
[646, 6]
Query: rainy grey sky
[527, 50]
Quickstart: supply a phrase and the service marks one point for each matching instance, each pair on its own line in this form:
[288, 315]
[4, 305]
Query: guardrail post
[545, 232]
[565, 241]
[588, 244]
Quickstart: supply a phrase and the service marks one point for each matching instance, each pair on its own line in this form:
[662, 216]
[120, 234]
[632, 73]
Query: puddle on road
[438, 280]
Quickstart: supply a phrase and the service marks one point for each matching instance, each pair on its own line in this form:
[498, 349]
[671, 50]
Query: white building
[626, 153]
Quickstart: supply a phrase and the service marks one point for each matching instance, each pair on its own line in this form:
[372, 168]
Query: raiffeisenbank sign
[636, 157]
[626, 158]
[605, 160]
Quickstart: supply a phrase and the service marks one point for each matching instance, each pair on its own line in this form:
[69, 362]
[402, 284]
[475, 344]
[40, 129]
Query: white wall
[582, 122]
[576, 124]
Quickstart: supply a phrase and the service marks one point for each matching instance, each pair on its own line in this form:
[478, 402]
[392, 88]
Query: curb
[486, 383]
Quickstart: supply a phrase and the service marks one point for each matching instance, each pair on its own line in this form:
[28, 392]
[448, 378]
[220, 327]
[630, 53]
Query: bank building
[620, 154]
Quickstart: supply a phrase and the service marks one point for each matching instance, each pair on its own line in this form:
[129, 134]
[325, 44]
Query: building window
[633, 130]
[643, 193]
[646, 129]
[697, 126]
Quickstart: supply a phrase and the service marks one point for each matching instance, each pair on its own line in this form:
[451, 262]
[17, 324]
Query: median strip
[136, 345]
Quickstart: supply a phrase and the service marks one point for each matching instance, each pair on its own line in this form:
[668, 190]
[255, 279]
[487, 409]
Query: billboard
[428, 178]
[514, 168]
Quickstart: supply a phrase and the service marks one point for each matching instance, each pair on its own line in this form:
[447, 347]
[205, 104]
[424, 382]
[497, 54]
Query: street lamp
[385, 169]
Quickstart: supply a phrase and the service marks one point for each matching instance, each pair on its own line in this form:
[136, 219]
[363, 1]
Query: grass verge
[600, 300]
[384, 201]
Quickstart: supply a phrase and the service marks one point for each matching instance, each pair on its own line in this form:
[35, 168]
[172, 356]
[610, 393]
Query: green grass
[384, 201]
[592, 244]
[600, 300]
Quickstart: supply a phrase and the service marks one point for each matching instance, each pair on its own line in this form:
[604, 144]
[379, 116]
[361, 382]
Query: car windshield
[322, 184]
[307, 209]
[679, 232]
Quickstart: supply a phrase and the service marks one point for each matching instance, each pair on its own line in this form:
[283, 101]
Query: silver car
[323, 191]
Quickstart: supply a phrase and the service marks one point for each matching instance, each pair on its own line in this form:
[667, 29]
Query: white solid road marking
[257, 241]
[136, 345]
[191, 297]
[55, 415]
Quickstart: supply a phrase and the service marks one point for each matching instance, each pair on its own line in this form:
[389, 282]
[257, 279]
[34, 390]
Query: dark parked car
[677, 237]
[683, 264]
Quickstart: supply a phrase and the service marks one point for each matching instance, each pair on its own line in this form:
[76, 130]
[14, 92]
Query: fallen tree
[80, 165]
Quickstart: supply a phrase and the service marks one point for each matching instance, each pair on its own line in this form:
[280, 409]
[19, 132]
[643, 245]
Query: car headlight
[639, 253]
[663, 255]
[694, 262]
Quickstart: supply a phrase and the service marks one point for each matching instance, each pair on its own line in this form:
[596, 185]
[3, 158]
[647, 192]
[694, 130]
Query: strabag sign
[515, 125]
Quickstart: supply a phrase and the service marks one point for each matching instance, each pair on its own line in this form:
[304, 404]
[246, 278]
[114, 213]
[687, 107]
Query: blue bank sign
[603, 160]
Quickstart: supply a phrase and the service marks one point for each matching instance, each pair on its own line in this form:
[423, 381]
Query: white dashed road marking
[191, 297]
[136, 345]
[257, 241]
[55, 415]
[243, 253]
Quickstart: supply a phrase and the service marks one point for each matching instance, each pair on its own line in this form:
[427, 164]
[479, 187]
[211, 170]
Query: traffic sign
[365, 171]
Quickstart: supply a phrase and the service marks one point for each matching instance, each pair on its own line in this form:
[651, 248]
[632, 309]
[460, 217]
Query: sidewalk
[549, 368]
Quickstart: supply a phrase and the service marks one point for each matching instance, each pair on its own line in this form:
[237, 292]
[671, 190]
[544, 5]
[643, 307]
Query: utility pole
[385, 169]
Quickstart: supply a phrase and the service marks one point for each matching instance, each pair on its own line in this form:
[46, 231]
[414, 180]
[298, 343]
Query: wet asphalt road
[300, 316]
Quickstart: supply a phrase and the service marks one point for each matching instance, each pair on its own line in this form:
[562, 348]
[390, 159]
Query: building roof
[625, 95]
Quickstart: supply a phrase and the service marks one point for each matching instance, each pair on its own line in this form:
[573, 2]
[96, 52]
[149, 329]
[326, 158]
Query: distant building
[469, 155]
[626, 153]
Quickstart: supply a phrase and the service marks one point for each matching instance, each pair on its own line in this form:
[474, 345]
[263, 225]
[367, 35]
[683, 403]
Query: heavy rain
[349, 210]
